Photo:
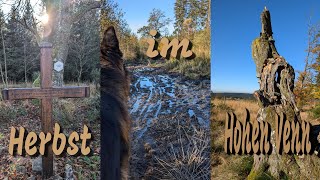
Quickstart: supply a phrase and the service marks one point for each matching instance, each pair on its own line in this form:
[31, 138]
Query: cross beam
[45, 93]
[36, 93]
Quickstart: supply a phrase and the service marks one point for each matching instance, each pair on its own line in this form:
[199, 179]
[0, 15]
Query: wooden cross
[45, 93]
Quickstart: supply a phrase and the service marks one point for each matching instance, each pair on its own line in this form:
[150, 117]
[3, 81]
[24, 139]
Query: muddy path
[160, 103]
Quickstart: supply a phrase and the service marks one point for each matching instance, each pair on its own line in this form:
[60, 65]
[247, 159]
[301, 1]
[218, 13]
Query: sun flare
[44, 18]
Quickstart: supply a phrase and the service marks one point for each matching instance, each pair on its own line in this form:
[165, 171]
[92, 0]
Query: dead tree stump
[275, 96]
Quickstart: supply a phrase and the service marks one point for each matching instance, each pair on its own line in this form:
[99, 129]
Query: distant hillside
[233, 95]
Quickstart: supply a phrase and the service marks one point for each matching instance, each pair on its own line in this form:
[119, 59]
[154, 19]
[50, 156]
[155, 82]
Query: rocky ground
[170, 125]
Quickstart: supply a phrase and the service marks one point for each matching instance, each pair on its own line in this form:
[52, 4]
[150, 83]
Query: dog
[115, 120]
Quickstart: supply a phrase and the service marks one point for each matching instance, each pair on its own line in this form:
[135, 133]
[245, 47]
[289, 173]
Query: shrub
[316, 111]
[7, 112]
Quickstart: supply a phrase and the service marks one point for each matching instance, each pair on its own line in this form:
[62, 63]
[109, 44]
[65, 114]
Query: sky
[235, 24]
[137, 12]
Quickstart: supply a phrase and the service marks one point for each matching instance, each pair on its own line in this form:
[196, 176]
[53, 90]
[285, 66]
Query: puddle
[145, 82]
[191, 113]
[159, 94]
[160, 97]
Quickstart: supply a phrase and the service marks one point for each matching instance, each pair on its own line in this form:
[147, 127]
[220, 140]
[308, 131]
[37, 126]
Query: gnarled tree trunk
[275, 97]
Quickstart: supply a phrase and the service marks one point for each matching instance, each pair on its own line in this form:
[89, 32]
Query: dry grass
[181, 150]
[226, 166]
[187, 162]
[193, 69]
[222, 106]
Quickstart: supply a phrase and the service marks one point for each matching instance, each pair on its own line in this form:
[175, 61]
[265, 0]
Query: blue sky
[236, 23]
[137, 12]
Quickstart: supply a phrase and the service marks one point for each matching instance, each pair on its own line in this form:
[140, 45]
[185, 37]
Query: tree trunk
[64, 16]
[80, 71]
[25, 62]
[4, 75]
[275, 97]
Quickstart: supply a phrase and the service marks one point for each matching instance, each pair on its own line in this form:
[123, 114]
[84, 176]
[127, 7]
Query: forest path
[160, 101]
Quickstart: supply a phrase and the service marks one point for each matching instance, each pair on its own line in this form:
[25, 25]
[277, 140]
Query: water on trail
[155, 97]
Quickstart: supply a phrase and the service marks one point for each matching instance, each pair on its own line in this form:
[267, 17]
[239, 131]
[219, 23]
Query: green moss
[260, 51]
[255, 46]
[242, 166]
[290, 113]
[289, 164]
[283, 176]
[259, 175]
[270, 116]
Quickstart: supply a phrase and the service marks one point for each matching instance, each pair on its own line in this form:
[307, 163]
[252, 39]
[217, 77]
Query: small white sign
[58, 66]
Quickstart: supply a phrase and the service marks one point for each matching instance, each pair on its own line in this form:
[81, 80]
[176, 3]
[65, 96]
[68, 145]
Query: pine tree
[14, 45]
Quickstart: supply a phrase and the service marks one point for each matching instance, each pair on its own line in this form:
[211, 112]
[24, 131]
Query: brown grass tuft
[186, 162]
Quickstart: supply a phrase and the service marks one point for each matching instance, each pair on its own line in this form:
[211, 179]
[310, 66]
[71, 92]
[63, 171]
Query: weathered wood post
[46, 105]
[45, 93]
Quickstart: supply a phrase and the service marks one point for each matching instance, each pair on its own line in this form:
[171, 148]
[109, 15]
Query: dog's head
[114, 76]
[110, 51]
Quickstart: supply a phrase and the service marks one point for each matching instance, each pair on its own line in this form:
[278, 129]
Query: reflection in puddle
[191, 113]
[145, 82]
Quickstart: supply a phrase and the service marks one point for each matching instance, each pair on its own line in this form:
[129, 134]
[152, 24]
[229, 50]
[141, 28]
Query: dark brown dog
[115, 120]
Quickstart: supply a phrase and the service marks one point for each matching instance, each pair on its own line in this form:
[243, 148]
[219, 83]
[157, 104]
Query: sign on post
[58, 66]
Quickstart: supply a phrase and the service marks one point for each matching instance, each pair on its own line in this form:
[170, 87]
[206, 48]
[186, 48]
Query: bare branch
[32, 29]
[90, 6]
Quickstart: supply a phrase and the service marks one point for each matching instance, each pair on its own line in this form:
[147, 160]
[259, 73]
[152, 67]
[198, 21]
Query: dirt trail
[156, 98]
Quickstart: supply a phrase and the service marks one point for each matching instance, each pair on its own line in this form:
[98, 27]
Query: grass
[241, 165]
[181, 150]
[194, 69]
[186, 162]
[197, 68]
[237, 106]
[224, 166]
